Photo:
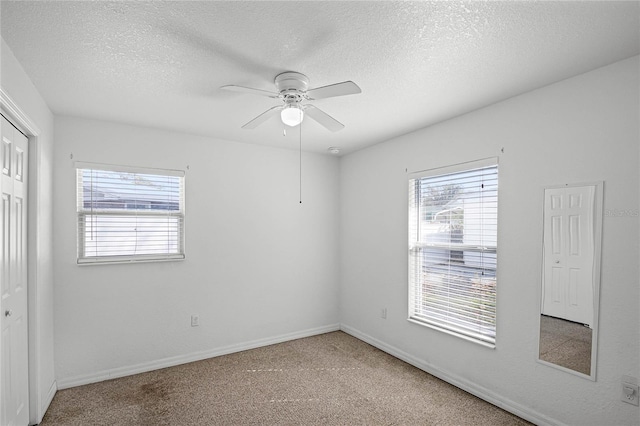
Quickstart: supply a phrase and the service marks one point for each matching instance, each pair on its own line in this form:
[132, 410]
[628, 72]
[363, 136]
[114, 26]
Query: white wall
[583, 129]
[260, 266]
[16, 84]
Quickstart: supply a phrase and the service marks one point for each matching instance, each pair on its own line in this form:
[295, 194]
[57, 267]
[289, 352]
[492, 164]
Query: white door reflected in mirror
[570, 277]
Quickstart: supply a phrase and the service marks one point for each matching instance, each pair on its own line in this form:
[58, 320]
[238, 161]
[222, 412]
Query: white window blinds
[453, 223]
[129, 214]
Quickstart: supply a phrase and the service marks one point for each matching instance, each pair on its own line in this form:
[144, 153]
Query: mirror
[572, 234]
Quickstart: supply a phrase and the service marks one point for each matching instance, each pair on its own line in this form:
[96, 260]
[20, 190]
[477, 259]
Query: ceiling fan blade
[337, 89]
[242, 89]
[262, 117]
[323, 118]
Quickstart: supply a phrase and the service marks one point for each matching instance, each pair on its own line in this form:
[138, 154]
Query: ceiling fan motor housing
[292, 86]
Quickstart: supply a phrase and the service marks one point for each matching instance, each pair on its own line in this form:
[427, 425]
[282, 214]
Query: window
[453, 223]
[129, 214]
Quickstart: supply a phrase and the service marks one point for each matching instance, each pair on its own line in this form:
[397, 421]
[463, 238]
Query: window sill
[91, 262]
[453, 333]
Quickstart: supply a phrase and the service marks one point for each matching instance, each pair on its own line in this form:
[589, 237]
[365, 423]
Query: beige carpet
[565, 343]
[330, 379]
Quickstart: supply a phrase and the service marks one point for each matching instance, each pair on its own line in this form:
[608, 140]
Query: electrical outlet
[629, 393]
[195, 320]
[383, 313]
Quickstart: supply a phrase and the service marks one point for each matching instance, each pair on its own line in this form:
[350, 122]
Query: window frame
[416, 245]
[82, 213]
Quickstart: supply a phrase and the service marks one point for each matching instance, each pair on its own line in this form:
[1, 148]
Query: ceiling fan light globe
[292, 116]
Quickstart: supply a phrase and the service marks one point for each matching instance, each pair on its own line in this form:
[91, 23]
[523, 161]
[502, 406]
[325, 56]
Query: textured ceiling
[161, 64]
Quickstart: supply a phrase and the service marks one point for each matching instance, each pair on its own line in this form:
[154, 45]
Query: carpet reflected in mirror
[565, 343]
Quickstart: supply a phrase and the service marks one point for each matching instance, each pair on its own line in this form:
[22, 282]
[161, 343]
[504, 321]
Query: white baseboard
[459, 382]
[473, 388]
[69, 382]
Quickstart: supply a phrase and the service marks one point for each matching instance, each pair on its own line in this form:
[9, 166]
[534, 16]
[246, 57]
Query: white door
[568, 282]
[14, 373]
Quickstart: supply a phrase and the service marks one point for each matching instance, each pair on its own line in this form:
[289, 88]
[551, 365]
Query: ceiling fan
[293, 90]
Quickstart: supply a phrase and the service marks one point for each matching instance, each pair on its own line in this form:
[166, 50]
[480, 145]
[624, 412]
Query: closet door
[14, 373]
[568, 283]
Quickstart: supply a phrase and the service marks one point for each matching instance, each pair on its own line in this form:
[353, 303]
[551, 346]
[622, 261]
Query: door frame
[22, 121]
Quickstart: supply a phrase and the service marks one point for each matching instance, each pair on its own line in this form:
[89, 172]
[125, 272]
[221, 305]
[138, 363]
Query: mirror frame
[598, 213]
